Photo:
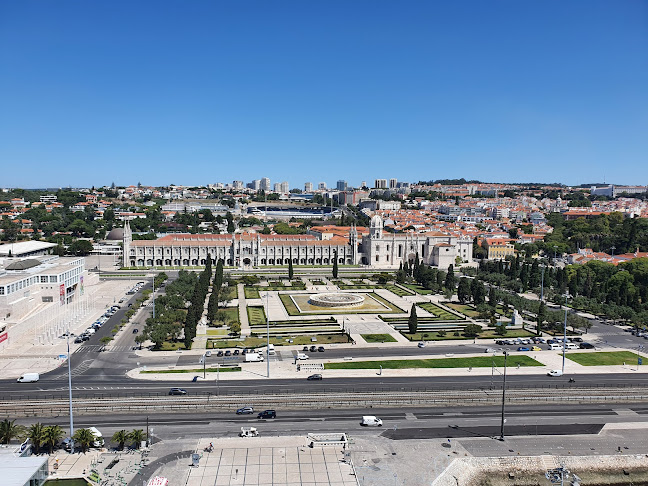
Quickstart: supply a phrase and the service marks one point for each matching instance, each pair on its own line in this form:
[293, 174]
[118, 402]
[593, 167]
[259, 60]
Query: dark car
[135, 331]
[586, 346]
[267, 414]
[313, 349]
[78, 340]
[245, 351]
[305, 348]
[85, 337]
[321, 349]
[228, 353]
[245, 410]
[236, 352]
[314, 377]
[576, 340]
[220, 353]
[177, 391]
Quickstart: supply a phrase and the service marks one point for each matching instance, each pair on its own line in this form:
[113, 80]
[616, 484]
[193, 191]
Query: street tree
[35, 434]
[9, 431]
[52, 435]
[463, 291]
[84, 438]
[137, 436]
[120, 438]
[335, 264]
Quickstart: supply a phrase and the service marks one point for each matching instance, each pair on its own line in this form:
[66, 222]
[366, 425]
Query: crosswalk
[94, 348]
[80, 368]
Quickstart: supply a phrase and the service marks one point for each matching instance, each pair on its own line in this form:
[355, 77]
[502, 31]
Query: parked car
[313, 349]
[236, 352]
[536, 348]
[586, 346]
[320, 349]
[305, 348]
[135, 331]
[267, 414]
[220, 353]
[314, 377]
[177, 391]
[421, 345]
[78, 340]
[228, 353]
[523, 348]
[245, 411]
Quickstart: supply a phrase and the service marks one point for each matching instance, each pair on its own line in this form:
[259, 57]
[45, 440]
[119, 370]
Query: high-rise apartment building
[237, 184]
[308, 187]
[380, 183]
[393, 183]
[285, 187]
[341, 185]
[255, 184]
[321, 186]
[265, 184]
[277, 187]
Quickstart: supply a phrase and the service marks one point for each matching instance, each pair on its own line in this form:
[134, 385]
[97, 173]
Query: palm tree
[51, 436]
[137, 436]
[35, 434]
[120, 437]
[9, 431]
[85, 438]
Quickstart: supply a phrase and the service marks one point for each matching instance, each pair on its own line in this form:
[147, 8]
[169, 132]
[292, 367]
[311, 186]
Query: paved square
[282, 463]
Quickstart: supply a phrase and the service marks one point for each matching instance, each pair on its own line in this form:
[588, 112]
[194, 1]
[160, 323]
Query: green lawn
[256, 315]
[231, 314]
[292, 309]
[251, 292]
[607, 358]
[223, 369]
[440, 312]
[170, 346]
[418, 289]
[317, 282]
[378, 338]
[217, 332]
[397, 364]
[394, 289]
[465, 309]
[488, 333]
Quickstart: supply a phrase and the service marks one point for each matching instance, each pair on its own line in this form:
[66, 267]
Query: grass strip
[196, 370]
[398, 364]
[605, 358]
[378, 338]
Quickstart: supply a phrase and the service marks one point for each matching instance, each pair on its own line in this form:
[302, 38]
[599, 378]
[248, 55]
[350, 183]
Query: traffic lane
[134, 388]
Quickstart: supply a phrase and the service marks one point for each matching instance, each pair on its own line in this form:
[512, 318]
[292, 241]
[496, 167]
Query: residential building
[321, 186]
[499, 248]
[341, 185]
[265, 184]
[308, 187]
[380, 184]
[393, 183]
[285, 187]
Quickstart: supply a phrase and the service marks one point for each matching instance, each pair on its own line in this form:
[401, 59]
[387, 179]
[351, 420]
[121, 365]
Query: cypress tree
[335, 265]
[290, 270]
[412, 322]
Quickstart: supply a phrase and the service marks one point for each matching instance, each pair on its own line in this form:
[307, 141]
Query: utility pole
[503, 397]
[542, 285]
[268, 331]
[69, 358]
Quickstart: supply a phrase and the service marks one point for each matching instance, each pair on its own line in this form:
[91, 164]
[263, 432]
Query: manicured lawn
[607, 358]
[378, 338]
[231, 314]
[488, 333]
[251, 292]
[418, 289]
[171, 346]
[256, 315]
[223, 369]
[217, 332]
[317, 282]
[398, 290]
[465, 309]
[292, 309]
[441, 313]
[397, 364]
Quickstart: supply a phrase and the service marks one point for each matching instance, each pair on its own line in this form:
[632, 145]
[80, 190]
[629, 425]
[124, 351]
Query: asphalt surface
[398, 424]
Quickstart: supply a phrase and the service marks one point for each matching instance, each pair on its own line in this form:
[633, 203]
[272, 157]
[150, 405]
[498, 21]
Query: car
[536, 348]
[540, 340]
[84, 337]
[576, 340]
[122, 300]
[245, 411]
[306, 348]
[586, 346]
[78, 340]
[523, 348]
[208, 353]
[555, 373]
[177, 391]
[236, 352]
[320, 349]
[244, 352]
[421, 345]
[135, 331]
[228, 353]
[220, 353]
[314, 377]
[313, 349]
[490, 350]
[267, 414]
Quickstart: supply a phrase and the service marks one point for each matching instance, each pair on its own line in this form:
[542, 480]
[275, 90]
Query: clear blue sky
[193, 92]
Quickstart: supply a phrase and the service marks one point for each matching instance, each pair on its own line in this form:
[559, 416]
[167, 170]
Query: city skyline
[96, 93]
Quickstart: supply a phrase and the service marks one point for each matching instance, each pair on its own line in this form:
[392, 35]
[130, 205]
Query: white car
[555, 373]
[302, 356]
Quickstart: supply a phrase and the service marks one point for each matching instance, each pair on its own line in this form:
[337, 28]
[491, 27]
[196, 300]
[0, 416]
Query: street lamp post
[268, 332]
[542, 285]
[70, 391]
[503, 397]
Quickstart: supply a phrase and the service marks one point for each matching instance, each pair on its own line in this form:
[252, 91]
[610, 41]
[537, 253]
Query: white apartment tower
[308, 187]
[393, 183]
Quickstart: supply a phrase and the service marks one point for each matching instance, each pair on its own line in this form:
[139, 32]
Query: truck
[29, 378]
[252, 357]
[371, 421]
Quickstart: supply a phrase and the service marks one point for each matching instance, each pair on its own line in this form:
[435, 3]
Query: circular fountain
[332, 299]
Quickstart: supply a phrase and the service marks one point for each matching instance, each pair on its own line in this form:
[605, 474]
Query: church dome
[376, 222]
[116, 234]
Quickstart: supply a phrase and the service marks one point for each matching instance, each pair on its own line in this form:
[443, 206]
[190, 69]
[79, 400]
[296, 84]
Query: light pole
[69, 358]
[613, 248]
[503, 397]
[564, 336]
[542, 285]
[153, 292]
[268, 331]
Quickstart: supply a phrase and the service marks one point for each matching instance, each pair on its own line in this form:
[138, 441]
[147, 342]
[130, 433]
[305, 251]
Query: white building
[285, 187]
[308, 187]
[321, 186]
[265, 184]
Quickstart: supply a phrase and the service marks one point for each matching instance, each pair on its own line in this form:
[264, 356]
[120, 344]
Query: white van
[302, 356]
[29, 378]
[571, 346]
[554, 347]
[371, 421]
[99, 440]
[271, 350]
